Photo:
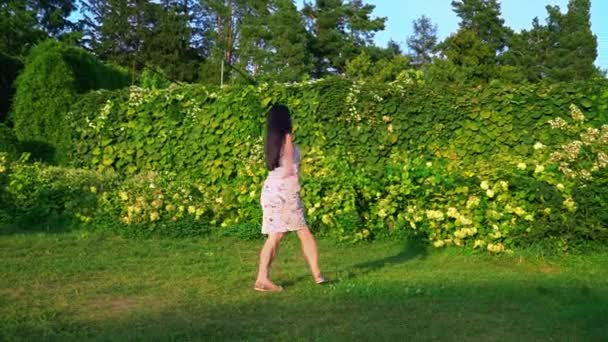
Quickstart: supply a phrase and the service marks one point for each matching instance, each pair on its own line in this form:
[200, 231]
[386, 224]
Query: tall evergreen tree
[574, 45]
[339, 31]
[480, 40]
[140, 33]
[23, 23]
[423, 42]
[223, 17]
[564, 49]
[290, 59]
[483, 18]
[167, 44]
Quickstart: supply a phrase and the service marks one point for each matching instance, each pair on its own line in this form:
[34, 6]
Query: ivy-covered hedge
[467, 166]
[53, 76]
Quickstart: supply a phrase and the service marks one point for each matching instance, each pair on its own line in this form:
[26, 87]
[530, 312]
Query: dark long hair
[278, 124]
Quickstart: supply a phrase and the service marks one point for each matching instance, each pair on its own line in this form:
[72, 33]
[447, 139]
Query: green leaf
[266, 101]
[586, 103]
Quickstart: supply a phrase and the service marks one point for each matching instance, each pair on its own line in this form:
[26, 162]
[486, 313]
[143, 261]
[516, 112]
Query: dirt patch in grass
[12, 293]
[113, 306]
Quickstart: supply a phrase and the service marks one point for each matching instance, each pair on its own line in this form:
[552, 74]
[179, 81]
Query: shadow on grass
[412, 249]
[493, 312]
[30, 224]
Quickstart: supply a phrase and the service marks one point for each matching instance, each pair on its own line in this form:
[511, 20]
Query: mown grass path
[80, 286]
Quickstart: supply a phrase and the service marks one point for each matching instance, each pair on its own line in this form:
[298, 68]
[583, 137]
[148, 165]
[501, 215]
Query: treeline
[245, 40]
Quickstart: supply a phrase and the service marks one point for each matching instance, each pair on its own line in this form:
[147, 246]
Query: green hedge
[192, 128]
[53, 76]
[456, 165]
[8, 74]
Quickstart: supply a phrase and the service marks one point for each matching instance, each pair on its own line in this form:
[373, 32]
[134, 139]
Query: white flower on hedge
[462, 220]
[382, 213]
[570, 204]
[452, 212]
[585, 174]
[490, 193]
[479, 243]
[496, 235]
[123, 196]
[539, 169]
[560, 187]
[504, 185]
[484, 185]
[519, 211]
[576, 113]
[496, 248]
[602, 160]
[154, 216]
[472, 202]
[539, 146]
[521, 166]
[460, 234]
[438, 243]
[434, 215]
[558, 123]
[429, 164]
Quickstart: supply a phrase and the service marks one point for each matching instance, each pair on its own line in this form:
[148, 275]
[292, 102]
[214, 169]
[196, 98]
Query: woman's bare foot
[320, 279]
[267, 286]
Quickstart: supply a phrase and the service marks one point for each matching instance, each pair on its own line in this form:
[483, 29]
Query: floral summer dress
[281, 204]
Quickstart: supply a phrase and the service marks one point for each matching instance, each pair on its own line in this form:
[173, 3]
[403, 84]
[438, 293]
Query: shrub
[53, 76]
[33, 193]
[8, 141]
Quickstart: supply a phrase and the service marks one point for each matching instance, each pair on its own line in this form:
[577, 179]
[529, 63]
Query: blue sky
[518, 14]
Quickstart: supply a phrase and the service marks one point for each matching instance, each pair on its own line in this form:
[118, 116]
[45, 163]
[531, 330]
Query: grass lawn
[75, 286]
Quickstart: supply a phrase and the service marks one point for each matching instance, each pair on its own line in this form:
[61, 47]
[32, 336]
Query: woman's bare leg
[309, 247]
[267, 255]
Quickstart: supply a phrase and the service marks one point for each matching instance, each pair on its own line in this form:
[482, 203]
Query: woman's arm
[288, 155]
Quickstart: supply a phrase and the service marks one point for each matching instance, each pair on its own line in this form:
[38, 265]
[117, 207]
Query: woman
[281, 204]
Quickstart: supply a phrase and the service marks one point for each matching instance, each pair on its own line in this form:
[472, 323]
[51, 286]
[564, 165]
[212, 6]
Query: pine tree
[339, 31]
[574, 45]
[563, 49]
[483, 18]
[141, 33]
[26, 22]
[423, 42]
[290, 59]
[480, 40]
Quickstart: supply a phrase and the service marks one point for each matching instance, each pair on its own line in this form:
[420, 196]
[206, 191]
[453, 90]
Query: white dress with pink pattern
[281, 203]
